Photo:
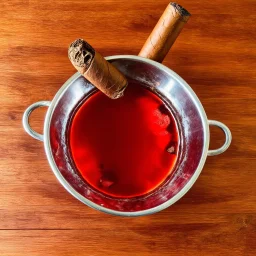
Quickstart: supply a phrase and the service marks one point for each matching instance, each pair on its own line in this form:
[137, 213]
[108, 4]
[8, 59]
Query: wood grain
[215, 54]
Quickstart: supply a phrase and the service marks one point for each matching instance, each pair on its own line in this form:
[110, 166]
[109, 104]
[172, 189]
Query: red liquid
[120, 146]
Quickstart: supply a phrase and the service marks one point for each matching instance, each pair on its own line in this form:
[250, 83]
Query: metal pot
[190, 116]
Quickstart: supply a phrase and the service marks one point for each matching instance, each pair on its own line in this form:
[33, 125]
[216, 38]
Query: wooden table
[215, 54]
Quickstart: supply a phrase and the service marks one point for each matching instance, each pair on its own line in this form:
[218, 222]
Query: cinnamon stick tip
[119, 94]
[183, 12]
[81, 54]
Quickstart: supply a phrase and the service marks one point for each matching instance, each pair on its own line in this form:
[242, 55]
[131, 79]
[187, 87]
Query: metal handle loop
[25, 119]
[225, 129]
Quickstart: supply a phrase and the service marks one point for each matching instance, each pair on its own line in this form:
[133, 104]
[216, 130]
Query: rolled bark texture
[165, 32]
[96, 69]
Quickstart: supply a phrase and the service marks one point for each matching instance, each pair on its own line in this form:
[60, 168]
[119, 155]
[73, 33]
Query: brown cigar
[165, 32]
[96, 69]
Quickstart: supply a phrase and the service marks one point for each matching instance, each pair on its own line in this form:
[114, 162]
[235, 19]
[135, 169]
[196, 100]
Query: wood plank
[215, 54]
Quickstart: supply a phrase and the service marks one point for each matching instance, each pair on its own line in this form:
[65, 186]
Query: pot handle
[225, 129]
[25, 119]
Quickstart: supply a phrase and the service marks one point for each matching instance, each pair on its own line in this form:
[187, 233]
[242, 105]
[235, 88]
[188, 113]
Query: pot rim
[84, 200]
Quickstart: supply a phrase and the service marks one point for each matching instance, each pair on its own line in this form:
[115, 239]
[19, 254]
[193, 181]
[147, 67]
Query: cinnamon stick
[165, 32]
[96, 69]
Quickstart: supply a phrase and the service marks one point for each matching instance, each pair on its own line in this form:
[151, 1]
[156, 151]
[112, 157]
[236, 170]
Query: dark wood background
[215, 54]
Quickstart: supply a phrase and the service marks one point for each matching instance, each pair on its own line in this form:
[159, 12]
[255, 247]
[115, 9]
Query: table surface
[215, 54]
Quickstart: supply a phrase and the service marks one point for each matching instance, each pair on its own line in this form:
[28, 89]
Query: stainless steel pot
[177, 95]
